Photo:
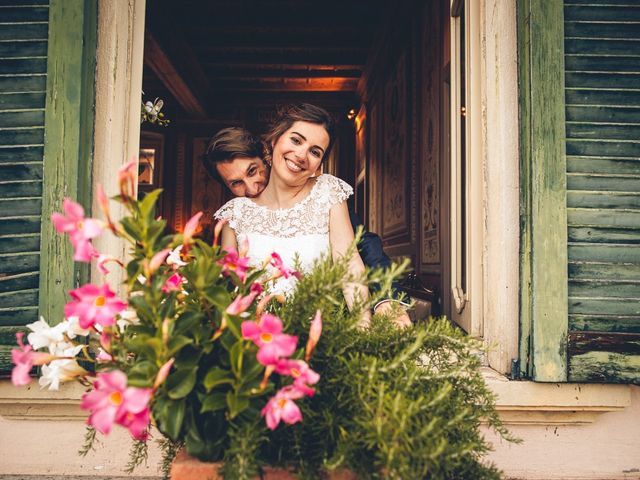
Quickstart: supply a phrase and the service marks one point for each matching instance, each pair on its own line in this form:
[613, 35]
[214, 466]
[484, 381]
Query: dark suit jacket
[372, 253]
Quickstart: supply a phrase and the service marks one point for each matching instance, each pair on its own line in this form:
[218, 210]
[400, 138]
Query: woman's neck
[279, 195]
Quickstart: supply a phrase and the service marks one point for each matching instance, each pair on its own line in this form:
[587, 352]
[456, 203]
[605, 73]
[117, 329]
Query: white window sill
[529, 403]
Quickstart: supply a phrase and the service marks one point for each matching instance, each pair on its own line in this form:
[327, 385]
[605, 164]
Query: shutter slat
[610, 288]
[602, 46]
[598, 252]
[609, 183]
[21, 263]
[24, 83]
[621, 97]
[22, 298]
[584, 63]
[22, 154]
[601, 131]
[22, 136]
[21, 101]
[600, 30]
[592, 234]
[12, 172]
[15, 66]
[603, 148]
[614, 306]
[25, 281]
[20, 206]
[589, 113]
[615, 200]
[34, 31]
[21, 189]
[37, 48]
[12, 226]
[600, 271]
[604, 323]
[603, 165]
[32, 118]
[20, 243]
[603, 80]
[602, 13]
[603, 217]
[18, 316]
[24, 14]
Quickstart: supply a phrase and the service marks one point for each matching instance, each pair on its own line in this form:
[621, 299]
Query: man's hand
[396, 313]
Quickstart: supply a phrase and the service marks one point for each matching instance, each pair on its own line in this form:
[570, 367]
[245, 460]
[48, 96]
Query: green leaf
[236, 403]
[181, 382]
[217, 376]
[235, 356]
[176, 342]
[148, 203]
[213, 402]
[142, 374]
[218, 296]
[169, 415]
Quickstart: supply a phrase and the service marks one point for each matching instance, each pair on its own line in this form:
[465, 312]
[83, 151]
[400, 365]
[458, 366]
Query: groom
[235, 158]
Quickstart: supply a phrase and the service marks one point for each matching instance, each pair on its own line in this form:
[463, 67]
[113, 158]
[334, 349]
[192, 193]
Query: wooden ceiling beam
[255, 73]
[284, 57]
[159, 61]
[287, 84]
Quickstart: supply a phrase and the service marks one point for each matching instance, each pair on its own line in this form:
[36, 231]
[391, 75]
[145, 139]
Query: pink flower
[156, 262]
[163, 373]
[190, 228]
[217, 230]
[314, 335]
[267, 335]
[173, 283]
[111, 401]
[103, 259]
[93, 304]
[232, 262]
[276, 262]
[128, 178]
[24, 359]
[80, 229]
[302, 374]
[282, 407]
[103, 202]
[241, 303]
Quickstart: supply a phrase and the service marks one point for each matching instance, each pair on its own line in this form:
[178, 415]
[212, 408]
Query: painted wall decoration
[394, 147]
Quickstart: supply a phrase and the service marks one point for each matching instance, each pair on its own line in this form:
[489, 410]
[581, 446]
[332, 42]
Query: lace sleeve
[333, 190]
[227, 212]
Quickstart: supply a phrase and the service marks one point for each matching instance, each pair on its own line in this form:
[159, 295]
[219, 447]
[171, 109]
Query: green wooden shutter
[602, 92]
[47, 65]
[23, 67]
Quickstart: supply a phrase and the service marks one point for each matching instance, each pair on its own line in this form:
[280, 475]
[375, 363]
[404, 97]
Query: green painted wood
[603, 288]
[23, 136]
[604, 367]
[603, 199]
[622, 97]
[17, 66]
[22, 14]
[20, 225]
[602, 13]
[22, 298]
[602, 46]
[589, 113]
[33, 118]
[14, 172]
[20, 206]
[603, 165]
[25, 2]
[601, 2]
[20, 243]
[592, 235]
[25, 281]
[25, 154]
[603, 148]
[605, 183]
[23, 49]
[34, 31]
[68, 140]
[24, 101]
[611, 253]
[613, 306]
[21, 263]
[600, 270]
[604, 323]
[598, 63]
[31, 83]
[12, 317]
[30, 188]
[543, 167]
[604, 217]
[604, 132]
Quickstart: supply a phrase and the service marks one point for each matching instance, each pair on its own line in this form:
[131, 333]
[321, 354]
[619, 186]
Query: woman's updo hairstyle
[304, 112]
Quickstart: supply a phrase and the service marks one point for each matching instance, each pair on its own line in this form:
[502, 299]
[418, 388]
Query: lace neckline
[281, 210]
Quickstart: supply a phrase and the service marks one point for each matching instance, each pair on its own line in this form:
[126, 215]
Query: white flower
[127, 317]
[59, 371]
[73, 328]
[142, 279]
[43, 335]
[174, 257]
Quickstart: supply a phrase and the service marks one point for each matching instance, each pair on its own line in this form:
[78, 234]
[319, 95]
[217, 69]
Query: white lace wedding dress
[300, 232]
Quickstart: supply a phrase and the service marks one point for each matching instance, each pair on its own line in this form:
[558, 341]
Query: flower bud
[314, 335]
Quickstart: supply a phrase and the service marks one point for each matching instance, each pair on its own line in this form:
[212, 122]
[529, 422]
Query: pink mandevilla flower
[190, 228]
[127, 178]
[233, 262]
[111, 401]
[24, 359]
[241, 303]
[278, 264]
[282, 407]
[267, 335]
[315, 330]
[302, 374]
[80, 229]
[173, 283]
[93, 304]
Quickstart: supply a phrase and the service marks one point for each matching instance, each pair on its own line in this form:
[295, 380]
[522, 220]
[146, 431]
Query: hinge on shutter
[515, 369]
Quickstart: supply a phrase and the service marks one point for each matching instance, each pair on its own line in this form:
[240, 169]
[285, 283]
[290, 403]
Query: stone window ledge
[530, 403]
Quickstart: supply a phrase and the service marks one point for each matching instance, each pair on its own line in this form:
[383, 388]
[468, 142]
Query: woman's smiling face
[298, 152]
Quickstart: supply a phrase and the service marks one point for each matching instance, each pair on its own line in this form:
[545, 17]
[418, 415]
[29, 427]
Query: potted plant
[198, 349]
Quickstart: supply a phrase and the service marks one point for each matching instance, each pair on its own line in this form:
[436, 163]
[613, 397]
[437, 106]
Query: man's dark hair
[229, 144]
[304, 112]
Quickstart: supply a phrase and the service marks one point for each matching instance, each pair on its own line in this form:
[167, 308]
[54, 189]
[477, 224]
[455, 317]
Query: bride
[298, 215]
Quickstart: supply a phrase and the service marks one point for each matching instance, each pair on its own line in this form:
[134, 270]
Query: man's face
[245, 177]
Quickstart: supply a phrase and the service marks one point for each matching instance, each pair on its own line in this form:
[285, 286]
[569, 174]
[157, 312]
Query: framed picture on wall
[150, 161]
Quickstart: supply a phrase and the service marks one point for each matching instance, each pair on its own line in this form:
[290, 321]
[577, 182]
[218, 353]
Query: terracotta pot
[185, 467]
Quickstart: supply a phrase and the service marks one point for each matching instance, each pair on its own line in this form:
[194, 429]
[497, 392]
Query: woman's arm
[229, 239]
[340, 237]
